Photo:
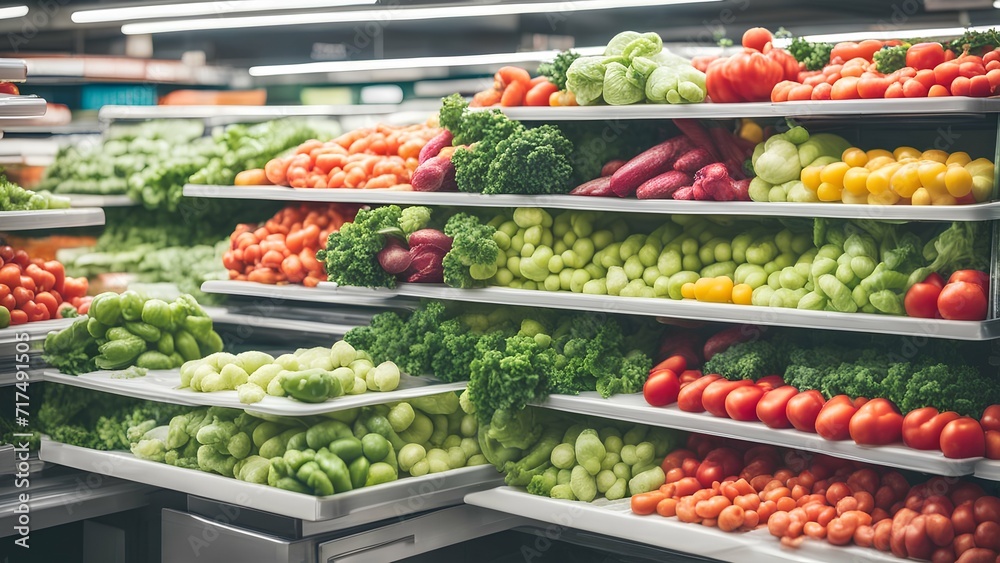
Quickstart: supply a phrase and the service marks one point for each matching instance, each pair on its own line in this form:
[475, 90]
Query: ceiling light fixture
[189, 9]
[413, 62]
[13, 12]
[392, 14]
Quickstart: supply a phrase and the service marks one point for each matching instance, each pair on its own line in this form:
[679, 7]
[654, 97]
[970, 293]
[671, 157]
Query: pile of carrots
[383, 156]
[283, 249]
[513, 86]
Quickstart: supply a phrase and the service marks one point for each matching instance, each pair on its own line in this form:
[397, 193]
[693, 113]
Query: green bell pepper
[106, 308]
[145, 331]
[322, 434]
[186, 346]
[116, 354]
[348, 448]
[311, 385]
[358, 470]
[157, 313]
[315, 478]
[151, 359]
[131, 306]
[335, 469]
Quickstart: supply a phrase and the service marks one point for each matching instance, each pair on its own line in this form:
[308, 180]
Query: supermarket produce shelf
[70, 498]
[102, 201]
[634, 408]
[21, 106]
[116, 113]
[697, 310]
[276, 294]
[13, 70]
[222, 316]
[33, 333]
[356, 507]
[988, 469]
[614, 518]
[973, 212]
[50, 218]
[10, 377]
[955, 105]
[164, 386]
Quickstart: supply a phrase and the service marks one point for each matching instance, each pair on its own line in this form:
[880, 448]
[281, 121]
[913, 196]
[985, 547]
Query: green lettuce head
[585, 78]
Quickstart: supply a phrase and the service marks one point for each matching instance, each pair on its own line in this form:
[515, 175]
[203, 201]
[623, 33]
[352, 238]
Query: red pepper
[847, 50]
[876, 423]
[719, 88]
[788, 62]
[754, 74]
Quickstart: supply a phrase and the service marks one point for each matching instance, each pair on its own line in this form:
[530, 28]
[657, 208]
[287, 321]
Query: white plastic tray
[691, 309]
[21, 106]
[50, 218]
[974, 212]
[804, 109]
[988, 469]
[162, 385]
[615, 519]
[86, 200]
[635, 409]
[276, 294]
[124, 465]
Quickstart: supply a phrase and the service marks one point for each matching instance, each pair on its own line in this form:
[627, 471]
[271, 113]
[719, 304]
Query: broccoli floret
[414, 218]
[956, 388]
[536, 161]
[508, 374]
[630, 377]
[555, 71]
[542, 484]
[451, 112]
[748, 360]
[351, 253]
[473, 256]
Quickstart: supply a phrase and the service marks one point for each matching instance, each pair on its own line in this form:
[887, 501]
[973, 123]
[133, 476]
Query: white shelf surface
[634, 408]
[222, 316]
[12, 106]
[695, 310]
[804, 109]
[164, 386]
[614, 518]
[102, 201]
[112, 112]
[276, 294]
[50, 218]
[973, 212]
[13, 70]
[36, 332]
[988, 469]
[353, 504]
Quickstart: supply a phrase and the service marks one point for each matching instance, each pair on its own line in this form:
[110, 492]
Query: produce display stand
[276, 325]
[278, 294]
[18, 107]
[86, 200]
[972, 212]
[33, 333]
[613, 518]
[634, 408]
[364, 505]
[50, 219]
[988, 469]
[164, 386]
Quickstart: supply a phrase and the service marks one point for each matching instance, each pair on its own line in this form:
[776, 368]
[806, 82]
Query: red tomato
[44, 280]
[970, 68]
[675, 363]
[690, 375]
[895, 90]
[802, 410]
[661, 388]
[873, 85]
[48, 301]
[962, 301]
[10, 275]
[987, 509]
[921, 300]
[876, 423]
[925, 55]
[833, 420]
[730, 459]
[922, 427]
[540, 93]
[8, 302]
[935, 279]
[946, 73]
[690, 397]
[18, 317]
[714, 397]
[74, 287]
[979, 86]
[963, 437]
[21, 258]
[741, 403]
[752, 73]
[914, 89]
[769, 382]
[22, 295]
[982, 279]
[991, 418]
[772, 406]
[6, 253]
[992, 444]
[756, 38]
[56, 268]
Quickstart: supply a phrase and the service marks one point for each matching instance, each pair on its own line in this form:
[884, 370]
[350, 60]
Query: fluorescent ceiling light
[413, 62]
[13, 12]
[888, 34]
[204, 9]
[387, 15]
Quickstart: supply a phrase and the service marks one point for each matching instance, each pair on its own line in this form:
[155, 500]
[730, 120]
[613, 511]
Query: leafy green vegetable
[556, 70]
[975, 42]
[350, 253]
[473, 256]
[890, 59]
[814, 55]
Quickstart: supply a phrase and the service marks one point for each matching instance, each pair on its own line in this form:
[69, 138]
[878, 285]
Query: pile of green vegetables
[635, 68]
[498, 155]
[310, 375]
[576, 458]
[942, 374]
[512, 356]
[16, 198]
[779, 161]
[335, 453]
[128, 329]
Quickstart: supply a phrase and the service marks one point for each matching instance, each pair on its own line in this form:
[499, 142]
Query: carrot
[411, 149]
[509, 75]
[937, 91]
[336, 179]
[275, 170]
[513, 94]
[308, 146]
[383, 181]
[328, 161]
[252, 177]
[354, 177]
[291, 266]
[263, 275]
[845, 89]
[486, 98]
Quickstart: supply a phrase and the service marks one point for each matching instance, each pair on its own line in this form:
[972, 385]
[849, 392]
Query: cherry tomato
[10, 275]
[6, 253]
[22, 295]
[21, 258]
[833, 420]
[769, 382]
[741, 403]
[802, 410]
[987, 509]
[921, 300]
[962, 438]
[714, 397]
[56, 268]
[922, 427]
[962, 301]
[661, 388]
[690, 397]
[771, 410]
[18, 317]
[877, 422]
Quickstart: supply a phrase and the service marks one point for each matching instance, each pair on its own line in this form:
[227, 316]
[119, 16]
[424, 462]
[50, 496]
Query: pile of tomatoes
[513, 86]
[36, 290]
[964, 297]
[735, 486]
[869, 422]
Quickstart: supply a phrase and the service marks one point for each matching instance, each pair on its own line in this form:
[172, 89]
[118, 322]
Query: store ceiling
[48, 32]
